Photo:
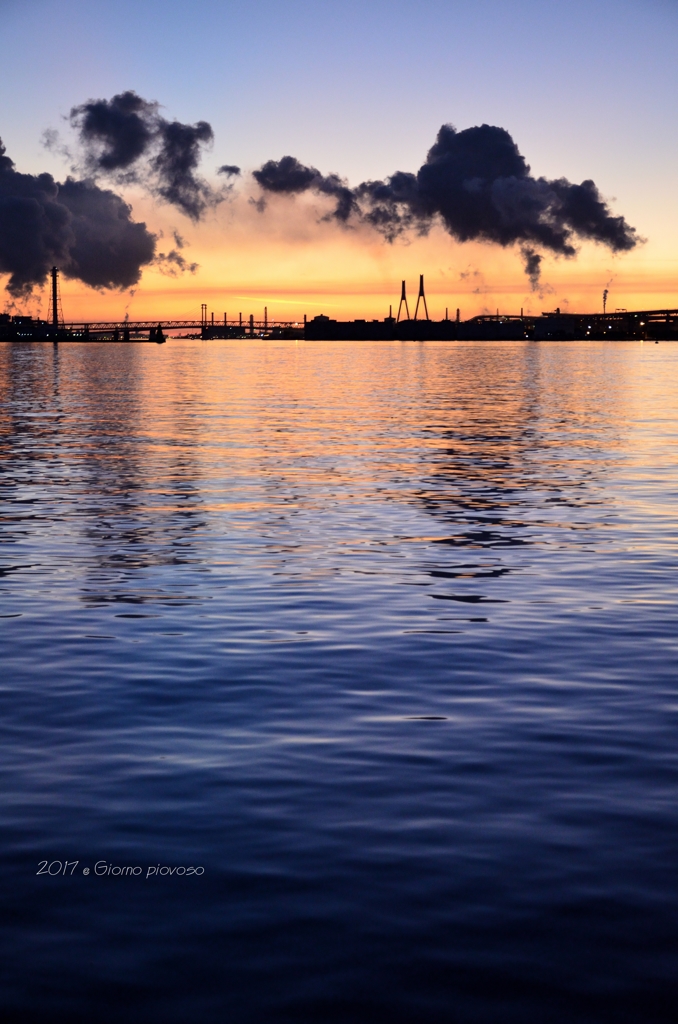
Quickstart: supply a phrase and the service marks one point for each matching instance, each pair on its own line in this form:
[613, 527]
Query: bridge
[208, 328]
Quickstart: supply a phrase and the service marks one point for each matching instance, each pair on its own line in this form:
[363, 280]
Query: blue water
[381, 637]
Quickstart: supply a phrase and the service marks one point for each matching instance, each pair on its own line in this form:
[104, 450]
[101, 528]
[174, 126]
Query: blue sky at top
[360, 88]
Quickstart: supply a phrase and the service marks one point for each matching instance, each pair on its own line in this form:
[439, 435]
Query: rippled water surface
[383, 637]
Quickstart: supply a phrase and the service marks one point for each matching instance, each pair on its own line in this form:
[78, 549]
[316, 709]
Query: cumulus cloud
[87, 231]
[475, 183]
[127, 139]
[479, 186]
[116, 132]
[290, 177]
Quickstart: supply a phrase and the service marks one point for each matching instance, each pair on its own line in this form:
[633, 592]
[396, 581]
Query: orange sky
[291, 261]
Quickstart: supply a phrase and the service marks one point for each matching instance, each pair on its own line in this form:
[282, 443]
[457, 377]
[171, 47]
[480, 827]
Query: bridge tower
[420, 297]
[403, 298]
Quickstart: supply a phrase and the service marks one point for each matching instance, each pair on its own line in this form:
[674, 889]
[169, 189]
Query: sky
[587, 90]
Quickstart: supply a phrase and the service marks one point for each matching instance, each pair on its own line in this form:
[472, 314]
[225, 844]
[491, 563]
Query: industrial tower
[55, 313]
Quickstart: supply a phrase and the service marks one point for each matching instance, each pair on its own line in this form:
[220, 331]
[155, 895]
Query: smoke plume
[126, 138]
[88, 232]
[532, 262]
[478, 184]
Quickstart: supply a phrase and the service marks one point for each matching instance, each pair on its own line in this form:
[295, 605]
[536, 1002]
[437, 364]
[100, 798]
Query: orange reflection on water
[261, 425]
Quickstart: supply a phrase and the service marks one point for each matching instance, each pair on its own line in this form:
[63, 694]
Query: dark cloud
[127, 138]
[289, 176]
[86, 231]
[286, 175]
[478, 184]
[230, 170]
[172, 264]
[108, 248]
[176, 164]
[116, 132]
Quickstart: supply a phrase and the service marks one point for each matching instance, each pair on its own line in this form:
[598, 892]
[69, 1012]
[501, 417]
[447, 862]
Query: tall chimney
[55, 298]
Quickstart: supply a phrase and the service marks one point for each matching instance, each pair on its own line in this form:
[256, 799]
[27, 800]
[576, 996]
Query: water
[380, 636]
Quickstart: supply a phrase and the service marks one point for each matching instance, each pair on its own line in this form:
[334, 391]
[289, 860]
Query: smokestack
[604, 301]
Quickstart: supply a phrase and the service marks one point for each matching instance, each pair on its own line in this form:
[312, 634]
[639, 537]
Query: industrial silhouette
[621, 325]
